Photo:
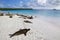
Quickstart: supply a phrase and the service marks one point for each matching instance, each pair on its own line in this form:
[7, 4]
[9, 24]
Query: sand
[42, 28]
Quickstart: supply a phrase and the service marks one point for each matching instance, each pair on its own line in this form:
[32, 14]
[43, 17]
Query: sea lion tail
[25, 34]
[10, 35]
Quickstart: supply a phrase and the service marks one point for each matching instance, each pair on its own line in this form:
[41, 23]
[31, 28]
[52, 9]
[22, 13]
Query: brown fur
[30, 17]
[21, 31]
[26, 21]
[1, 14]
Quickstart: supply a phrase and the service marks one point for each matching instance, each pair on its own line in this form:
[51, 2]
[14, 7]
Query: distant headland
[15, 8]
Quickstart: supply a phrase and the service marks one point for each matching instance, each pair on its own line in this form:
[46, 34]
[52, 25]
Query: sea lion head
[28, 29]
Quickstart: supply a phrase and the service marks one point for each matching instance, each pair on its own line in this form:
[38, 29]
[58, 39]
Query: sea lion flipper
[11, 35]
[25, 34]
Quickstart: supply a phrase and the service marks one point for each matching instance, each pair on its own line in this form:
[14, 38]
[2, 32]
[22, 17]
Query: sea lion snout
[28, 29]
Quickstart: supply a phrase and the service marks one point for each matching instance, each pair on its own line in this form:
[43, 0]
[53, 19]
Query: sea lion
[26, 21]
[30, 17]
[10, 16]
[1, 14]
[21, 31]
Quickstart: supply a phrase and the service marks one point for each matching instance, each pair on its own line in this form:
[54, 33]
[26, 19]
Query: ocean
[50, 13]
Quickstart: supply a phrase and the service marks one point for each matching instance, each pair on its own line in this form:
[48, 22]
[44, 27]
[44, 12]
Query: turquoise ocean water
[51, 13]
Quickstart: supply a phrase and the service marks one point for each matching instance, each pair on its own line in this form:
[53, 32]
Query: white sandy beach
[42, 28]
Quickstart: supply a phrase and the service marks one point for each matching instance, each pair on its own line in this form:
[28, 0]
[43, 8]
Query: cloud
[58, 7]
[33, 4]
[49, 4]
[53, 3]
[41, 1]
[44, 4]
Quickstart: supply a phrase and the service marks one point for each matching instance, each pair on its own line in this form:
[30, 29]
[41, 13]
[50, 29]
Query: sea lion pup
[26, 21]
[21, 31]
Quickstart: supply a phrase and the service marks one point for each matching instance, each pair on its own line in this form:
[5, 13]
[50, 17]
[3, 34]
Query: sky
[35, 4]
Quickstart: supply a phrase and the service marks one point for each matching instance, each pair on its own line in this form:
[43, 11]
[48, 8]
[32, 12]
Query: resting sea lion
[26, 21]
[21, 31]
[30, 17]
